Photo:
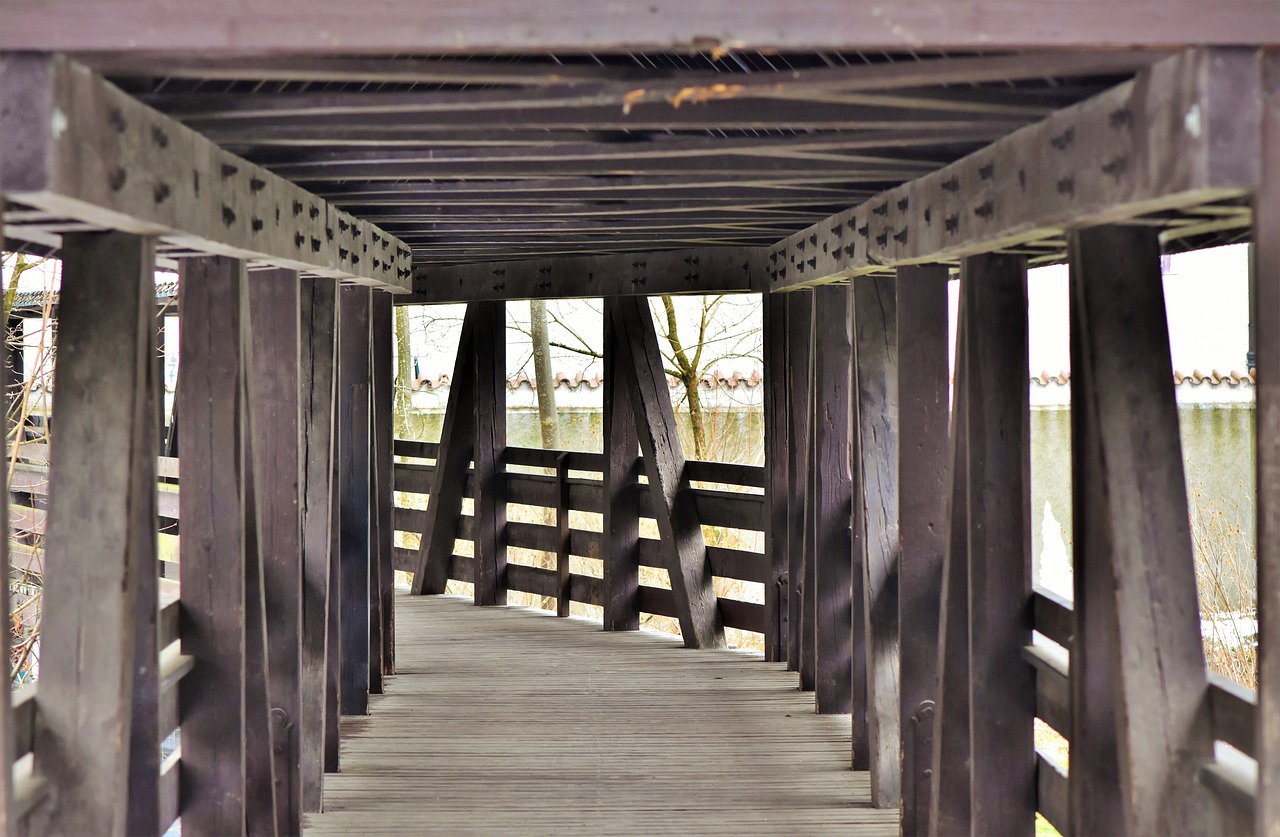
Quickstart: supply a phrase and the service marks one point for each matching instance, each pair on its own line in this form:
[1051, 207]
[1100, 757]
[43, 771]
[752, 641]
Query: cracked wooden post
[621, 538]
[777, 476]
[799, 324]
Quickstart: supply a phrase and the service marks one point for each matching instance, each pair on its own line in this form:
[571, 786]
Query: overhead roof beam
[1184, 132]
[706, 270]
[77, 147]
[415, 27]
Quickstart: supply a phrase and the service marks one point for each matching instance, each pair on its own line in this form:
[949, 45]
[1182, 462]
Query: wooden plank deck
[504, 720]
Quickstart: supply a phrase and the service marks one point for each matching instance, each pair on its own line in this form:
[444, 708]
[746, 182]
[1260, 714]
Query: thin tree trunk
[404, 374]
[548, 420]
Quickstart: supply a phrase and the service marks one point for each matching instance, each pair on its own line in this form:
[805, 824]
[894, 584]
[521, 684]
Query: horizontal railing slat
[1053, 616]
[1235, 714]
[1052, 793]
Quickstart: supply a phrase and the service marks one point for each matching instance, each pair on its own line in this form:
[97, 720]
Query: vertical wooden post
[563, 598]
[316, 386]
[274, 395]
[621, 515]
[490, 355]
[832, 554]
[1163, 731]
[799, 325]
[923, 407]
[1266, 318]
[435, 553]
[808, 583]
[353, 470]
[333, 653]
[777, 480]
[949, 798]
[874, 325]
[999, 467]
[96, 736]
[381, 494]
[684, 548]
[1094, 790]
[212, 562]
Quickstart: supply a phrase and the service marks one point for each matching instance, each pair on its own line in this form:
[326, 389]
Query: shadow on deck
[506, 720]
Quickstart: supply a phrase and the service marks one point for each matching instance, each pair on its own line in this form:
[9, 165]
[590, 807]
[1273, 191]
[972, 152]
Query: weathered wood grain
[452, 459]
[716, 742]
[620, 539]
[382, 432]
[1002, 697]
[949, 797]
[874, 326]
[110, 160]
[212, 565]
[563, 592]
[777, 474]
[489, 356]
[318, 307]
[678, 523]
[1266, 323]
[102, 494]
[799, 326]
[923, 407]
[1095, 795]
[832, 555]
[1093, 162]
[1163, 723]
[358, 592]
[274, 396]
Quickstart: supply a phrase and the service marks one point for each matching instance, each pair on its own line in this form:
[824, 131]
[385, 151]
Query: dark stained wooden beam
[489, 358]
[777, 479]
[1002, 755]
[949, 792]
[457, 442]
[874, 326]
[274, 310]
[684, 549]
[333, 28]
[687, 271]
[1192, 117]
[620, 543]
[923, 407]
[656, 85]
[212, 564]
[799, 326]
[1163, 732]
[353, 487]
[1266, 320]
[382, 496]
[92, 153]
[316, 387]
[832, 554]
[100, 538]
[1095, 795]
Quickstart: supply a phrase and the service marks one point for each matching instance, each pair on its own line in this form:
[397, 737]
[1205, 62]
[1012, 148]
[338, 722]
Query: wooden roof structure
[305, 166]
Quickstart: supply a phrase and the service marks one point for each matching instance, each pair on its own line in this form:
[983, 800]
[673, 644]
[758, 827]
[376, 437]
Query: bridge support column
[359, 593]
[621, 539]
[777, 477]
[799, 326]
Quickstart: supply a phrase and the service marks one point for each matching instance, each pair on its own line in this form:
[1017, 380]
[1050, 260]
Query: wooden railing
[1232, 707]
[29, 489]
[561, 491]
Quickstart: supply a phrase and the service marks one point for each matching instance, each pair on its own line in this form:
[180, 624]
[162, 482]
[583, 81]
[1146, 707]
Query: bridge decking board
[507, 720]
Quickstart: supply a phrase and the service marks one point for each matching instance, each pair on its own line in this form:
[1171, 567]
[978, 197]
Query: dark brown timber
[684, 549]
[874, 325]
[381, 491]
[317, 343]
[101, 537]
[922, 507]
[799, 326]
[1002, 695]
[490, 371]
[1266, 320]
[212, 562]
[777, 475]
[621, 543]
[274, 396]
[353, 485]
[832, 502]
[444, 509]
[1164, 731]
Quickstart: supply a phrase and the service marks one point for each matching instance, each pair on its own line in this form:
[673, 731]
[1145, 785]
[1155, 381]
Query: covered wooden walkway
[505, 720]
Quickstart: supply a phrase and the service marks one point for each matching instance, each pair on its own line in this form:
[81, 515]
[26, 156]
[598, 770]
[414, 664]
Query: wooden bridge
[306, 166]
